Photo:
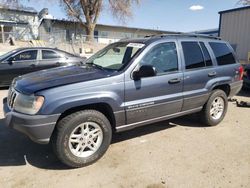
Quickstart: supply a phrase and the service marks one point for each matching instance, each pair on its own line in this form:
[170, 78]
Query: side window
[163, 57]
[27, 55]
[47, 54]
[222, 53]
[207, 57]
[193, 55]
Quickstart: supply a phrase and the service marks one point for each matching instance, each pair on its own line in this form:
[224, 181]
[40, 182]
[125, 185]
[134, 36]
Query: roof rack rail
[184, 35]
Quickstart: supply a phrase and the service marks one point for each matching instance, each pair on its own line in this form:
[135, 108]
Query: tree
[244, 2]
[87, 12]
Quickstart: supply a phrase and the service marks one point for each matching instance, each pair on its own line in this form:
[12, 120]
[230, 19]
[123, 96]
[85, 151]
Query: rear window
[47, 54]
[222, 53]
[193, 55]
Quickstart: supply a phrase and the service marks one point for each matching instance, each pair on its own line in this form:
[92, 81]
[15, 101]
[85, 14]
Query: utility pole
[2, 31]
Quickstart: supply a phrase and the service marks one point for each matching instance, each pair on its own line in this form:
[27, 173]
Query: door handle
[174, 81]
[212, 74]
[58, 63]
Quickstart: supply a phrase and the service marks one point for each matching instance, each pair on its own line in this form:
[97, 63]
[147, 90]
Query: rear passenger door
[198, 70]
[51, 59]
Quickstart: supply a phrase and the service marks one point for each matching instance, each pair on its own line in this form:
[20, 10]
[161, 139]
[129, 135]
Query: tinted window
[193, 55]
[222, 53]
[47, 54]
[27, 55]
[207, 57]
[163, 57]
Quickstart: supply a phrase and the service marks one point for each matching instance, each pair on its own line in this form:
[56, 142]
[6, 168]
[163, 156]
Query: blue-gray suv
[128, 84]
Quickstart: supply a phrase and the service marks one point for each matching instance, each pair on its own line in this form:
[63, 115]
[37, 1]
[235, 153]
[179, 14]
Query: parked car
[246, 76]
[128, 84]
[25, 60]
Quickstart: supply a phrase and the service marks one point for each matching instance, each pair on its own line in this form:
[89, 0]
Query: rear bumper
[235, 88]
[38, 128]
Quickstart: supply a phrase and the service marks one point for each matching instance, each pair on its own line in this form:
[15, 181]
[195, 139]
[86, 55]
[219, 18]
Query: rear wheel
[215, 109]
[82, 138]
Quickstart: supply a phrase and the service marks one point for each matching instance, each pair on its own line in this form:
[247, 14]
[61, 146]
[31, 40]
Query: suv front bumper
[38, 128]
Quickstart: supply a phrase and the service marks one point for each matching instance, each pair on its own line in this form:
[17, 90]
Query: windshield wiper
[95, 65]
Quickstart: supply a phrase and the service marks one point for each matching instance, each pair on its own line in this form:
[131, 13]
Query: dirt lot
[178, 153]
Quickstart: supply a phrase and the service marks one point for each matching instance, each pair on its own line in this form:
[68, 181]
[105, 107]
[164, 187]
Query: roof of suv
[153, 38]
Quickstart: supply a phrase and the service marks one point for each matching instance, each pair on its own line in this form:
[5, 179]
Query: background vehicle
[127, 84]
[25, 60]
[246, 77]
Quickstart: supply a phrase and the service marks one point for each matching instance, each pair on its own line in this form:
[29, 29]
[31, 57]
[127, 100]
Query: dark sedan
[25, 60]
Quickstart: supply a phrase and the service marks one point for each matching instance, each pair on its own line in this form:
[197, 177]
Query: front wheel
[215, 109]
[82, 138]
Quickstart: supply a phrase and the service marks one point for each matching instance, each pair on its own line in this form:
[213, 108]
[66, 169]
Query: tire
[212, 119]
[71, 140]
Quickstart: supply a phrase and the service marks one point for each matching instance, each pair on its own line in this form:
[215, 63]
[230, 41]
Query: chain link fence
[75, 44]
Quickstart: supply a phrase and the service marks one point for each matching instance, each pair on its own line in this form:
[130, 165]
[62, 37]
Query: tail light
[241, 72]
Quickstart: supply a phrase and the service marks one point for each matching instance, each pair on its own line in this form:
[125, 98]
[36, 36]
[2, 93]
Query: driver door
[19, 64]
[156, 97]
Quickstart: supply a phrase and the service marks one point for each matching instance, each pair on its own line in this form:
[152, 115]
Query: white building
[21, 23]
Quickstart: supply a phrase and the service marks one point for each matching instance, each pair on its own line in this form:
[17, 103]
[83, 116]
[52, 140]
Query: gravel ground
[176, 153]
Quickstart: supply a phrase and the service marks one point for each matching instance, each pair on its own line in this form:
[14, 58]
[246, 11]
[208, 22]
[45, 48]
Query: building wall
[235, 28]
[28, 31]
[64, 30]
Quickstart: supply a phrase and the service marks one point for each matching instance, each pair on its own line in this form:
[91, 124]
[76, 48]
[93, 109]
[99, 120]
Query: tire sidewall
[216, 93]
[69, 128]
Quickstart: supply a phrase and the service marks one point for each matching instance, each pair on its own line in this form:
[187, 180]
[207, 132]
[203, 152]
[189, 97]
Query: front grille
[11, 97]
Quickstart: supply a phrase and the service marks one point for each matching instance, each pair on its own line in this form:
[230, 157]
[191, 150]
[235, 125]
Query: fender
[211, 84]
[60, 105]
[60, 99]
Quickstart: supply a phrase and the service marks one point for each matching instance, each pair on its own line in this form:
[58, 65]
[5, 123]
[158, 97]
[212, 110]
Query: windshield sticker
[135, 45]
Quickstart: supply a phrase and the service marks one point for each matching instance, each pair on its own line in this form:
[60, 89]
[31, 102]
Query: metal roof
[235, 9]
[12, 23]
[30, 10]
[122, 27]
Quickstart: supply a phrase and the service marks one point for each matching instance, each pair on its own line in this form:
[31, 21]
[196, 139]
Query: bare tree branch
[244, 2]
[87, 12]
[122, 9]
[73, 12]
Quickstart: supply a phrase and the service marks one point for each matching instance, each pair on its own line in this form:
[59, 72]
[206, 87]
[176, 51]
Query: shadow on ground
[4, 88]
[17, 149]
[244, 93]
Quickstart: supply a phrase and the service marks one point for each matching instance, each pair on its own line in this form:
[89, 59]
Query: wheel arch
[102, 107]
[224, 87]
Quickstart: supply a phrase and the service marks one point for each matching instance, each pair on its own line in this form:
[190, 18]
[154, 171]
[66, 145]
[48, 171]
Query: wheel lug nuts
[88, 142]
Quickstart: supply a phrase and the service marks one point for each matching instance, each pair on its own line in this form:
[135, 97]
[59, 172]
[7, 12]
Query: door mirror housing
[144, 71]
[10, 61]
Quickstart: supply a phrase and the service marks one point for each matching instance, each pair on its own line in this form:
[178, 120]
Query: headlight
[28, 104]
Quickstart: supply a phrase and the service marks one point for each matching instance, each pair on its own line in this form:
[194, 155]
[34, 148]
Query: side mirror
[10, 61]
[144, 71]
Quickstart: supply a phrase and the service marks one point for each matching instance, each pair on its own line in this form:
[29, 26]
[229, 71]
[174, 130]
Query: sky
[169, 15]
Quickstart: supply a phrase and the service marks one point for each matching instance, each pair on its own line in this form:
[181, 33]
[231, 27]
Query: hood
[36, 81]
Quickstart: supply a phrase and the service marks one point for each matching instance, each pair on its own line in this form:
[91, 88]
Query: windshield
[115, 56]
[7, 54]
